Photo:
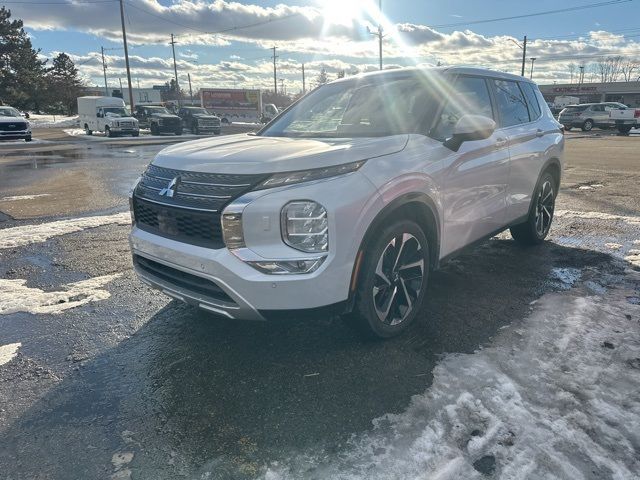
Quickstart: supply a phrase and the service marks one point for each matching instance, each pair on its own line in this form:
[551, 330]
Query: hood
[164, 115]
[4, 119]
[204, 115]
[120, 119]
[251, 154]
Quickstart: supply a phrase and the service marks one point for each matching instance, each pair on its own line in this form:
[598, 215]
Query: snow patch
[613, 246]
[27, 234]
[554, 397]
[17, 198]
[7, 352]
[633, 257]
[50, 121]
[565, 278]
[15, 296]
[597, 216]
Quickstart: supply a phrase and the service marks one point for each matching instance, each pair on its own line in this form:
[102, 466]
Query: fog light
[305, 226]
[288, 267]
[232, 232]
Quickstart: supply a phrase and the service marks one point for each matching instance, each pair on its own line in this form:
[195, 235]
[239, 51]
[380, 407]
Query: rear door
[528, 136]
[475, 177]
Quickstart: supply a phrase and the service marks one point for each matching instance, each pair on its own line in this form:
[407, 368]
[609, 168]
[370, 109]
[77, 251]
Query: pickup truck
[625, 119]
[198, 121]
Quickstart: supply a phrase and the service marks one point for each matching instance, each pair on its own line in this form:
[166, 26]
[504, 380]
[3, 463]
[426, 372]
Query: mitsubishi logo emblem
[170, 190]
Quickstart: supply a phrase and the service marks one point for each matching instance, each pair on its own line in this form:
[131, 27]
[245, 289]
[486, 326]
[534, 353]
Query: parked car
[13, 126]
[158, 119]
[106, 114]
[586, 116]
[350, 198]
[197, 120]
[625, 119]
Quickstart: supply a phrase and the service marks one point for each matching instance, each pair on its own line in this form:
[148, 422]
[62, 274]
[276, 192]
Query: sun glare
[342, 12]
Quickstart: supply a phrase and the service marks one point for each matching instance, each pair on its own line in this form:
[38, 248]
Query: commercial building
[623, 92]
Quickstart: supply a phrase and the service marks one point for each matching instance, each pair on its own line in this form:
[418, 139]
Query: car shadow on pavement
[190, 393]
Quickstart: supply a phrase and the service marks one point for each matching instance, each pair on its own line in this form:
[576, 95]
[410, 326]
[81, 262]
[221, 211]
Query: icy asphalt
[103, 378]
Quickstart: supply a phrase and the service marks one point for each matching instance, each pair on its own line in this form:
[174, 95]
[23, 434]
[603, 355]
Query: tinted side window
[532, 100]
[470, 96]
[597, 108]
[511, 103]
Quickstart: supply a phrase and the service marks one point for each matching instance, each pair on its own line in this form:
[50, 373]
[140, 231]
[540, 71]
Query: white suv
[349, 198]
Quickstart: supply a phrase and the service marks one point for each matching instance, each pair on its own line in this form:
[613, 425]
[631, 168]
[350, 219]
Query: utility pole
[380, 35]
[190, 91]
[126, 55]
[282, 90]
[304, 85]
[533, 59]
[275, 78]
[581, 80]
[175, 67]
[524, 55]
[104, 70]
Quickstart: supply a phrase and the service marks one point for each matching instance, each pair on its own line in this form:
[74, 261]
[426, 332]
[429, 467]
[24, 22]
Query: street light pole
[175, 67]
[190, 91]
[126, 55]
[380, 34]
[104, 70]
[533, 59]
[524, 55]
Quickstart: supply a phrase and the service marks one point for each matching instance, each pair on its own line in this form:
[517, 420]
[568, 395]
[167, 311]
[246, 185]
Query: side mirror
[99, 115]
[468, 128]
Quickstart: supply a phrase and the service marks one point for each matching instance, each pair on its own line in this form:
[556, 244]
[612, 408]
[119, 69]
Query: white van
[106, 114]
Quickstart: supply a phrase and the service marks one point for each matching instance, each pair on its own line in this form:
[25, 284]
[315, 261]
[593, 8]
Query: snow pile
[27, 234]
[7, 352]
[557, 396]
[15, 296]
[633, 257]
[51, 121]
[597, 216]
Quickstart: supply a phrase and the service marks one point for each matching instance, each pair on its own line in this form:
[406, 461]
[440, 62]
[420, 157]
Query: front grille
[13, 126]
[125, 124]
[171, 122]
[192, 213]
[187, 281]
[208, 123]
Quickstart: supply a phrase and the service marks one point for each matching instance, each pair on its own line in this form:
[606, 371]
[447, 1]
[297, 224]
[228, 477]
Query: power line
[528, 15]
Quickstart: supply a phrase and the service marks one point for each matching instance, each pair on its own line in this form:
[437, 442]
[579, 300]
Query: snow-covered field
[51, 121]
[556, 396]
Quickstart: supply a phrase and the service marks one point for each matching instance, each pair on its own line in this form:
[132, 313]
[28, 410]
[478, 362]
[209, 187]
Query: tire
[154, 129]
[391, 287]
[587, 126]
[27, 138]
[536, 228]
[87, 130]
[624, 129]
[567, 129]
[108, 132]
[194, 130]
[179, 131]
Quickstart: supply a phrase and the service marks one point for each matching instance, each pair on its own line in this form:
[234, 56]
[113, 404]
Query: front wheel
[108, 132]
[624, 129]
[567, 129]
[536, 228]
[393, 281]
[27, 138]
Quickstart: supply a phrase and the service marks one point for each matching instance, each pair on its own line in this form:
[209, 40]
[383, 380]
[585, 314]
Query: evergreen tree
[64, 84]
[21, 71]
[322, 77]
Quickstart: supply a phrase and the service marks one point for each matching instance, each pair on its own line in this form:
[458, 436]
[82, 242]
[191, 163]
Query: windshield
[152, 110]
[197, 111]
[362, 107]
[9, 112]
[115, 112]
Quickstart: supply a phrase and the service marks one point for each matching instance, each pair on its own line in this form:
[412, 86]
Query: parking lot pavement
[101, 377]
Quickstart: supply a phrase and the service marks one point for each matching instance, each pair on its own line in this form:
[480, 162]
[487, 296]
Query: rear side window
[581, 108]
[511, 103]
[597, 108]
[470, 96]
[532, 100]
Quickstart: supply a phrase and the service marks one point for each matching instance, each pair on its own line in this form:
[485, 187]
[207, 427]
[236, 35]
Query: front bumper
[248, 293]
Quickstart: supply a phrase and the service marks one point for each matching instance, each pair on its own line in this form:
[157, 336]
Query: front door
[475, 178]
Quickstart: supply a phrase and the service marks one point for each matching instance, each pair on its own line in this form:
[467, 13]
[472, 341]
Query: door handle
[501, 142]
[539, 133]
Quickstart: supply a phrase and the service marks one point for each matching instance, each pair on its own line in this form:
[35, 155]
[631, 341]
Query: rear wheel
[393, 281]
[87, 130]
[536, 228]
[587, 126]
[624, 129]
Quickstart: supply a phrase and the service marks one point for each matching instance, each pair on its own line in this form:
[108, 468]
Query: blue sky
[320, 37]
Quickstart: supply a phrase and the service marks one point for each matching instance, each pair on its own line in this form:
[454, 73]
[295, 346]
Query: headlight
[232, 232]
[289, 178]
[305, 226]
[288, 267]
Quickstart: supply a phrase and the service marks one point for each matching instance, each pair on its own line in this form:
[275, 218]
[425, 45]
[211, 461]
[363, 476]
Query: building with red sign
[623, 92]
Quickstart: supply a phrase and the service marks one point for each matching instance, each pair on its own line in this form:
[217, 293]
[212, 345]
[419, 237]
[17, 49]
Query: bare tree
[628, 67]
[572, 67]
[609, 68]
